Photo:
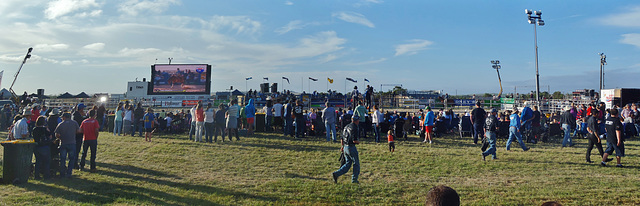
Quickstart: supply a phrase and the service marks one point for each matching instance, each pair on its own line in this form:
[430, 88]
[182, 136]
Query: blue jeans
[117, 129]
[267, 123]
[300, 127]
[192, 130]
[288, 126]
[330, 129]
[567, 135]
[43, 161]
[514, 134]
[137, 126]
[67, 150]
[93, 145]
[478, 132]
[351, 155]
[491, 137]
[208, 131]
[376, 131]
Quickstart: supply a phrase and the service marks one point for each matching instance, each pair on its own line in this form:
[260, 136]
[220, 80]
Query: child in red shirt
[392, 146]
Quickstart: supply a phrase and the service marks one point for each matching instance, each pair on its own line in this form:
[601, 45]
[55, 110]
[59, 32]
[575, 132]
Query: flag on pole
[286, 79]
[266, 78]
[352, 80]
[312, 79]
[330, 80]
[366, 80]
[248, 78]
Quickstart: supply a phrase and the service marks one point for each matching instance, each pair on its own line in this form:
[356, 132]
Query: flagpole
[327, 84]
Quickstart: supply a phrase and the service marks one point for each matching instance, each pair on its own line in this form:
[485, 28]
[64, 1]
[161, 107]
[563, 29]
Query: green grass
[273, 170]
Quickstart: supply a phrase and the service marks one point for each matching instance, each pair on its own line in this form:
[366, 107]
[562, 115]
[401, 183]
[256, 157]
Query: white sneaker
[429, 142]
[425, 141]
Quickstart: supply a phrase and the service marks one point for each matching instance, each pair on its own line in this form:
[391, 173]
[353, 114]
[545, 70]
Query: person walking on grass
[490, 129]
[568, 122]
[615, 141]
[149, 123]
[593, 136]
[429, 121]
[350, 138]
[392, 146]
[514, 131]
[66, 132]
[90, 129]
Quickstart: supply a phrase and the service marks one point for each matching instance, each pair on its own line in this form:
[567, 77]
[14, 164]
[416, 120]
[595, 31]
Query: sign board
[606, 96]
[465, 102]
[171, 104]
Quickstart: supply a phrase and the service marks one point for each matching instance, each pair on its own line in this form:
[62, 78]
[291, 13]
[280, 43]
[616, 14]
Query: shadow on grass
[107, 193]
[293, 147]
[292, 175]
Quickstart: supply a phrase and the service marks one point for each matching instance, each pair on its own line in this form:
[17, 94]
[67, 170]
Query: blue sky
[98, 45]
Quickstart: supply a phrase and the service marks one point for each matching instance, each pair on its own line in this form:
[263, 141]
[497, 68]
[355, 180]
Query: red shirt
[89, 127]
[35, 113]
[390, 138]
[199, 115]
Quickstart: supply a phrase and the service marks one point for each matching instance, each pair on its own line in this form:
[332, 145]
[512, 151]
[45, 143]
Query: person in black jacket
[568, 122]
[350, 138]
[42, 137]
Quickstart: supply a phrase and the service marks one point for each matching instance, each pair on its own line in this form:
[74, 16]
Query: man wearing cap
[490, 129]
[66, 132]
[21, 127]
[478, 116]
[350, 137]
[568, 121]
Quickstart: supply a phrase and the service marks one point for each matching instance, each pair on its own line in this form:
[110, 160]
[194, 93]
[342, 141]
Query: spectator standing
[117, 128]
[42, 137]
[219, 123]
[615, 141]
[429, 119]
[377, 119]
[478, 116]
[199, 116]
[350, 138]
[90, 129]
[66, 132]
[208, 123]
[392, 146]
[568, 122]
[288, 117]
[250, 112]
[329, 119]
[149, 123]
[232, 119]
[138, 124]
[78, 116]
[20, 128]
[490, 130]
[100, 116]
[298, 112]
[361, 111]
[277, 115]
[268, 117]
[127, 120]
[593, 135]
[192, 120]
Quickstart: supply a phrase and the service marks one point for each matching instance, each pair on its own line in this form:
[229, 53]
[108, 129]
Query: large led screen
[180, 79]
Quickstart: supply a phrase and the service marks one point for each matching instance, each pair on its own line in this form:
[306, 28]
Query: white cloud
[60, 8]
[50, 47]
[66, 62]
[631, 39]
[293, 25]
[241, 24]
[95, 46]
[375, 61]
[353, 17]
[367, 3]
[631, 18]
[94, 13]
[288, 3]
[135, 7]
[413, 47]
[138, 52]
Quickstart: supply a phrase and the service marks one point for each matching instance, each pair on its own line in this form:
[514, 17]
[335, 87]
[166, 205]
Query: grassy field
[269, 169]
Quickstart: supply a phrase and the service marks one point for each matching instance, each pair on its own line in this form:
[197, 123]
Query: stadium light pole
[496, 66]
[535, 17]
[170, 58]
[603, 61]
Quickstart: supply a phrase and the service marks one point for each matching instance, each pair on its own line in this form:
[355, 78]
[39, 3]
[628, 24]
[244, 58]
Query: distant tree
[558, 95]
[487, 95]
[399, 90]
[545, 95]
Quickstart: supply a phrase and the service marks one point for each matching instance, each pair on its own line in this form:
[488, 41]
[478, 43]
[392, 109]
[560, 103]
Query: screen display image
[180, 79]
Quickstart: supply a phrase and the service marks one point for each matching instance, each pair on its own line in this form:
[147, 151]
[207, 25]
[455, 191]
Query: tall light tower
[496, 66]
[535, 17]
[603, 61]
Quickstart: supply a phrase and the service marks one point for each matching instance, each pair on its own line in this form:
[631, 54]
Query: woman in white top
[127, 119]
[209, 114]
[377, 118]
